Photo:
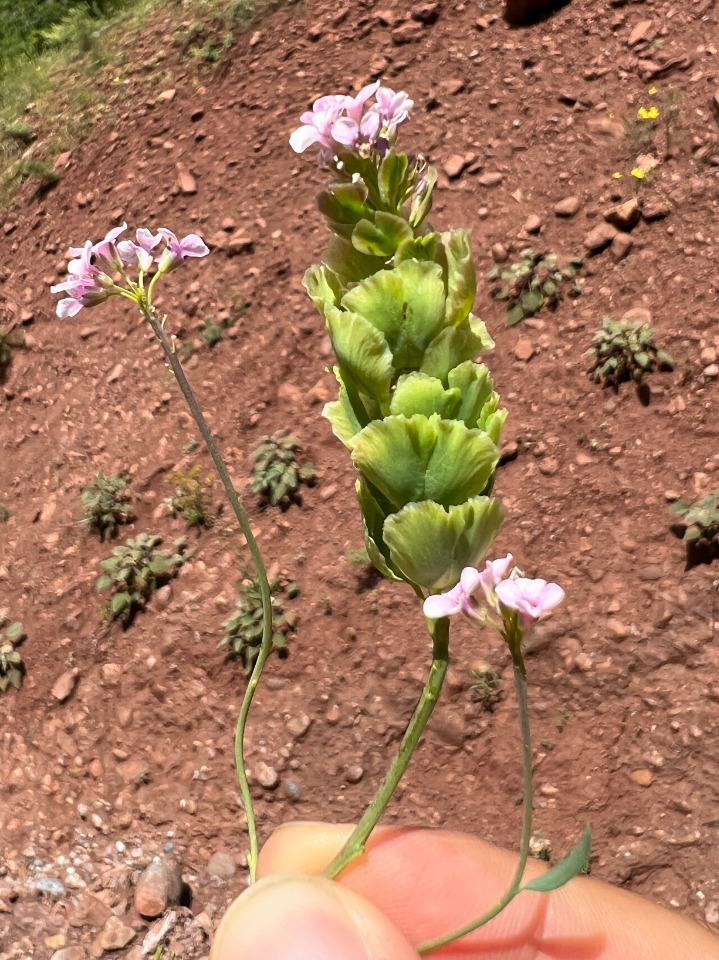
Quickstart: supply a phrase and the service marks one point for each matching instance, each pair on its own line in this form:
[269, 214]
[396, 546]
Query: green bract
[418, 414]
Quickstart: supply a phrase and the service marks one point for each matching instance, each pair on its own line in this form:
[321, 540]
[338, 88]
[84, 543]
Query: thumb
[290, 918]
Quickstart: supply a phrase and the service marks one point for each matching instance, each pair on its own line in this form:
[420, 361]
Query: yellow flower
[653, 91]
[648, 113]
[638, 173]
[617, 175]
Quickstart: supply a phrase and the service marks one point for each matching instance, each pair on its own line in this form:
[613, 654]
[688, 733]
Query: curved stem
[520, 684]
[266, 645]
[355, 844]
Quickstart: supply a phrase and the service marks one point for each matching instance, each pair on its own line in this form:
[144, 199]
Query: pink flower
[530, 598]
[457, 600]
[177, 251]
[87, 284]
[140, 254]
[494, 572]
[394, 109]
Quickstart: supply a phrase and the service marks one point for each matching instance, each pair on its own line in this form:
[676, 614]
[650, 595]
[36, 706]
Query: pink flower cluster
[341, 122]
[95, 265]
[502, 592]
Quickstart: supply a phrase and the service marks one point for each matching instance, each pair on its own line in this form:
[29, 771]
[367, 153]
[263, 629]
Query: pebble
[711, 913]
[354, 773]
[159, 887]
[186, 183]
[69, 953]
[533, 224]
[708, 355]
[621, 245]
[599, 237]
[222, 864]
[712, 371]
[298, 726]
[65, 684]
[239, 242]
[524, 349]
[650, 572]
[116, 373]
[618, 629]
[639, 32]
[499, 252]
[491, 179]
[569, 207]
[625, 216]
[454, 165]
[643, 777]
[293, 791]
[49, 885]
[167, 96]
[656, 209]
[549, 466]
[266, 776]
[115, 936]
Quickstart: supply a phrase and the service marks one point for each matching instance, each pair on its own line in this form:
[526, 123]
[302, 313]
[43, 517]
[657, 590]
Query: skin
[412, 885]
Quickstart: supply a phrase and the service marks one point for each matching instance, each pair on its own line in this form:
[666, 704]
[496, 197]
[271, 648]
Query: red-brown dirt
[623, 693]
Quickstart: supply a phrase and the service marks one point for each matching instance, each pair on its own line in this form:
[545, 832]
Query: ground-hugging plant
[535, 280]
[12, 668]
[9, 340]
[106, 505]
[623, 351]
[276, 475]
[134, 571]
[188, 499]
[243, 630]
[699, 527]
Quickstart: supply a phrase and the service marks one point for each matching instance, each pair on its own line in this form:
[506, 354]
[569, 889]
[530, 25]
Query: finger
[291, 918]
[430, 882]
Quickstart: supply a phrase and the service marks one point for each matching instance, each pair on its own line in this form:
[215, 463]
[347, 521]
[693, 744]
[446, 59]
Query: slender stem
[355, 844]
[266, 645]
[520, 684]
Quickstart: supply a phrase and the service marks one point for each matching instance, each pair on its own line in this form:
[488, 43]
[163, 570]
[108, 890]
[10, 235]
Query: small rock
[708, 355]
[450, 728]
[159, 887]
[298, 726]
[266, 776]
[524, 349]
[293, 791]
[533, 224]
[606, 127]
[315, 32]
[167, 96]
[69, 953]
[56, 942]
[354, 773]
[639, 32]
[711, 913]
[239, 242]
[621, 245]
[583, 661]
[643, 777]
[291, 393]
[712, 371]
[599, 238]
[617, 629]
[454, 165]
[163, 596]
[549, 466]
[87, 911]
[116, 373]
[656, 208]
[186, 183]
[115, 936]
[492, 179]
[408, 32]
[427, 13]
[626, 216]
[65, 684]
[569, 207]
[509, 451]
[500, 254]
[222, 864]
[650, 572]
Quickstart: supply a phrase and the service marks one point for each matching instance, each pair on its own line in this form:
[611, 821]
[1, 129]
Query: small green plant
[134, 571]
[277, 475]
[358, 558]
[699, 528]
[162, 954]
[4, 512]
[243, 630]
[19, 131]
[32, 169]
[534, 281]
[211, 332]
[107, 505]
[486, 686]
[188, 499]
[9, 340]
[625, 351]
[12, 669]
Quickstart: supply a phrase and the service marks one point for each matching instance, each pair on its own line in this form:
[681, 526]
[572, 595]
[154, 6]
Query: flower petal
[303, 137]
[441, 605]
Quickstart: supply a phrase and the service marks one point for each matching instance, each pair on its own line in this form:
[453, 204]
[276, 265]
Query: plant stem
[520, 684]
[266, 645]
[355, 844]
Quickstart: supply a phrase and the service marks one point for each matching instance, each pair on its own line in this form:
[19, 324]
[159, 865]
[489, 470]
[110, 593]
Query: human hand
[414, 885]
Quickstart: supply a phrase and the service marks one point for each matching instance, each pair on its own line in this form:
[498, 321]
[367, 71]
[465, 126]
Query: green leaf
[417, 248]
[421, 205]
[476, 388]
[461, 277]
[531, 302]
[322, 286]
[419, 393]
[119, 603]
[416, 458]
[382, 237]
[454, 345]
[431, 545]
[104, 583]
[343, 203]
[390, 175]
[515, 315]
[349, 264]
[373, 517]
[575, 863]
[342, 417]
[362, 352]
[406, 304]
